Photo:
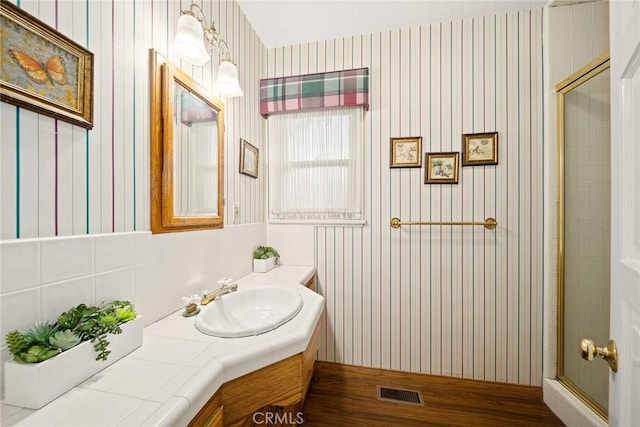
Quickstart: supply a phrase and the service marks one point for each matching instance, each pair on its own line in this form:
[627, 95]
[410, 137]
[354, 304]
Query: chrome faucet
[223, 290]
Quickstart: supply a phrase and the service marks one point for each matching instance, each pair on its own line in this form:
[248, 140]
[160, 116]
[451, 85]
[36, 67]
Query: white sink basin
[249, 311]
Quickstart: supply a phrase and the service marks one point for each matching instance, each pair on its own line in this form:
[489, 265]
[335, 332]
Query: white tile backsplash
[45, 277]
[19, 310]
[59, 297]
[19, 267]
[113, 251]
[155, 292]
[114, 285]
[64, 258]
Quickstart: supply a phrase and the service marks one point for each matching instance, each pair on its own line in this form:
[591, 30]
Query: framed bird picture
[406, 152]
[479, 149]
[43, 70]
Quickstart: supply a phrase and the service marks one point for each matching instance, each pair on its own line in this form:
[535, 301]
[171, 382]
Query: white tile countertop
[177, 369]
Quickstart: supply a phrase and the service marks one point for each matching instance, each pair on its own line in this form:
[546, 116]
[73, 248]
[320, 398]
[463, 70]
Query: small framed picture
[406, 152]
[248, 159]
[441, 168]
[480, 149]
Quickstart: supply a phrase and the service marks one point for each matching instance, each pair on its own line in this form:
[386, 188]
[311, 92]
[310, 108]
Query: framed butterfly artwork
[43, 70]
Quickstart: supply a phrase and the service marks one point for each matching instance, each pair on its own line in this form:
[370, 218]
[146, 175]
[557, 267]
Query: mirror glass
[195, 155]
[187, 135]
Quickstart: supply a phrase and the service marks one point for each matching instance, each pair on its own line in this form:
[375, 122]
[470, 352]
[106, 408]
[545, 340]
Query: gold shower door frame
[581, 76]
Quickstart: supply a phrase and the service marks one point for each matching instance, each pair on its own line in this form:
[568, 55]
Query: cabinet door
[210, 414]
[216, 420]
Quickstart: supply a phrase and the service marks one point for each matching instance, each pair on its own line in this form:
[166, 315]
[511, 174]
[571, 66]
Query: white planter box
[33, 385]
[263, 265]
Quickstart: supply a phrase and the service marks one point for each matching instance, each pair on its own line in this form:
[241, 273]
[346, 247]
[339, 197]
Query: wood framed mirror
[187, 168]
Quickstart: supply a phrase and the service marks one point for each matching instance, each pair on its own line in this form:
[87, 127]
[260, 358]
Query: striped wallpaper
[450, 300]
[444, 300]
[58, 179]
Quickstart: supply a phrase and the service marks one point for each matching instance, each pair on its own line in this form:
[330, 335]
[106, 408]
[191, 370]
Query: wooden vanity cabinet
[211, 414]
[279, 388]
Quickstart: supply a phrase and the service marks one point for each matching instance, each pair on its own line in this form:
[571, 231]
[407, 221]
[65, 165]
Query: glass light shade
[227, 83]
[189, 42]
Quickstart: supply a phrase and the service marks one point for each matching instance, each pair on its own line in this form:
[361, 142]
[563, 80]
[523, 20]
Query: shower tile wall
[587, 230]
[578, 34]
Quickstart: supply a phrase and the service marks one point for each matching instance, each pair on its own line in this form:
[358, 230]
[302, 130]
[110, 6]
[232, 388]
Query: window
[315, 165]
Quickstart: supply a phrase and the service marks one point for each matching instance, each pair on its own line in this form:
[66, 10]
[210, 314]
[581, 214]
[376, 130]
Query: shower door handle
[589, 351]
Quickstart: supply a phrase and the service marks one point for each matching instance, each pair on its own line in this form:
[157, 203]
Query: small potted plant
[265, 258]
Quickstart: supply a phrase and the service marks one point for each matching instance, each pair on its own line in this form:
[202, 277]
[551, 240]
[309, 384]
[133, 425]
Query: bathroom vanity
[181, 376]
[279, 388]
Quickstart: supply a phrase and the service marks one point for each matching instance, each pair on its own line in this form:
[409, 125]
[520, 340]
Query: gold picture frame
[480, 149]
[44, 71]
[249, 159]
[441, 168]
[406, 152]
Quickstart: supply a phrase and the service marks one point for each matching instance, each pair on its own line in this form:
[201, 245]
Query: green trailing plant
[265, 252]
[80, 323]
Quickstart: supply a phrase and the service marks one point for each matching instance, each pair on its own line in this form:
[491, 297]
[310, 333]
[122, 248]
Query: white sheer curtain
[315, 164]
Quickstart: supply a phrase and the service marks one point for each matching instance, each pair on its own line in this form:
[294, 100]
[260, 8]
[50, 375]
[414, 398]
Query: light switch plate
[236, 213]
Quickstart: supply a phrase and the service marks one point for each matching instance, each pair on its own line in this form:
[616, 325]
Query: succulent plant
[80, 323]
[264, 252]
[40, 333]
[124, 311]
[36, 353]
[16, 342]
[64, 340]
[70, 319]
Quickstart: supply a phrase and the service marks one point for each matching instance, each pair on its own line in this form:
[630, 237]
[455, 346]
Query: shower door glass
[584, 229]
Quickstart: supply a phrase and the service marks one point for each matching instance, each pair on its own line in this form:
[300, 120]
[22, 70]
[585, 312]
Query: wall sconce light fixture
[191, 33]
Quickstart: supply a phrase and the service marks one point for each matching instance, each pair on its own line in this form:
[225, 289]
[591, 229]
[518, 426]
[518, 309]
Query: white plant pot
[33, 385]
[263, 265]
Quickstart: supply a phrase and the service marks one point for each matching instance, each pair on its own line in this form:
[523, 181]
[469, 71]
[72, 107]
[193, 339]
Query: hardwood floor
[344, 395]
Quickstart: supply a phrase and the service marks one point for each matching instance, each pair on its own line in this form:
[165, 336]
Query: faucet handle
[191, 298]
[205, 292]
[225, 281]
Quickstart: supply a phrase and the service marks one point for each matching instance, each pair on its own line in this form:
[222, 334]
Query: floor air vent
[411, 397]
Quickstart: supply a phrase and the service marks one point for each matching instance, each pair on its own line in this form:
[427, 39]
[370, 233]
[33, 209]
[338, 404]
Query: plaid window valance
[347, 88]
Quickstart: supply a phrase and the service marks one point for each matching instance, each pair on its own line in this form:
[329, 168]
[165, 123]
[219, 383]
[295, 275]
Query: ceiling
[289, 22]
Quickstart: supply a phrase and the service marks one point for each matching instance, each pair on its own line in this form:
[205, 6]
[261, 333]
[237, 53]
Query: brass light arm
[210, 33]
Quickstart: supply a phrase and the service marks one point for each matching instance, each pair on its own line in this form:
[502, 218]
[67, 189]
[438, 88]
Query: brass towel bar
[488, 223]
